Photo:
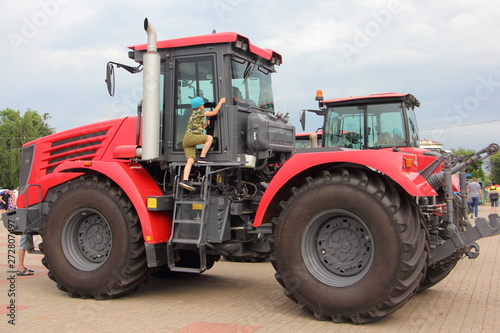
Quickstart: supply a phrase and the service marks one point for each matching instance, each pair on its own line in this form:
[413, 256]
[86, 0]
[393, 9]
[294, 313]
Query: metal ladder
[190, 229]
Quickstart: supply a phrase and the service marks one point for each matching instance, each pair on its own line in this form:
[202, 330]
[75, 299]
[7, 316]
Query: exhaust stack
[151, 97]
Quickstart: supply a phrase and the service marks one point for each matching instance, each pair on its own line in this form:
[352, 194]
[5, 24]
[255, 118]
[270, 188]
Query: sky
[446, 53]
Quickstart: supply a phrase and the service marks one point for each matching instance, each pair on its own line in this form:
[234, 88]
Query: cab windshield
[369, 127]
[251, 85]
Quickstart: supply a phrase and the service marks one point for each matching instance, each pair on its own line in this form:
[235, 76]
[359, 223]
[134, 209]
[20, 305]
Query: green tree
[475, 169]
[15, 131]
[494, 167]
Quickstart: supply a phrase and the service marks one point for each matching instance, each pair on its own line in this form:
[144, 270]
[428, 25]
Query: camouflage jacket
[196, 121]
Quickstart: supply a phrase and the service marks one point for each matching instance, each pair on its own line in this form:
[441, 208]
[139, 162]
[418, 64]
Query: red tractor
[352, 234]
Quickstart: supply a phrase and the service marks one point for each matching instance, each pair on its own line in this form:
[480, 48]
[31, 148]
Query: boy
[194, 136]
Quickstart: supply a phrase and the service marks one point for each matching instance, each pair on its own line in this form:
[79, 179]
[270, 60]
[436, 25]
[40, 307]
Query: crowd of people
[476, 194]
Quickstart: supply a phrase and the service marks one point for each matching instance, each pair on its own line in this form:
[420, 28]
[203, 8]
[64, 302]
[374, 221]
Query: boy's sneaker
[203, 160]
[187, 185]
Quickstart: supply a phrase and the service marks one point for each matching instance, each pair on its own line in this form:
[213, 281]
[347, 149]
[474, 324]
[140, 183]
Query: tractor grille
[82, 146]
[26, 164]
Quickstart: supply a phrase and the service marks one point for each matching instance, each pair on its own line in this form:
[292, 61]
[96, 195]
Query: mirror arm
[318, 112]
[110, 76]
[129, 69]
[321, 112]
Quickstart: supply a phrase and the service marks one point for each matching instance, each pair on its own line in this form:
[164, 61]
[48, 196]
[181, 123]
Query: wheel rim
[86, 239]
[337, 248]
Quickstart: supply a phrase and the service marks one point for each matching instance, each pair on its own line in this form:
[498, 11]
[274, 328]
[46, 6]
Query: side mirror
[110, 74]
[110, 79]
[303, 119]
[303, 116]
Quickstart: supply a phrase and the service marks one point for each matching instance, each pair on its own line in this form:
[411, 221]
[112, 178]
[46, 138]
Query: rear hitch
[466, 240]
[472, 251]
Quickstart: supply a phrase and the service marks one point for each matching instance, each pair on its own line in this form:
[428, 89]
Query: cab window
[386, 124]
[384, 127]
[251, 84]
[194, 77]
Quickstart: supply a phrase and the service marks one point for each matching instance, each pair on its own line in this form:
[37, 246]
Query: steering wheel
[353, 137]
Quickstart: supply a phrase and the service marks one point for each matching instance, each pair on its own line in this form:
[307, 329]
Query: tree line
[16, 129]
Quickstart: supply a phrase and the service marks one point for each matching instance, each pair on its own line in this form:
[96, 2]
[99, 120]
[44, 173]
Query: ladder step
[184, 241]
[190, 210]
[189, 202]
[261, 231]
[187, 222]
[186, 269]
[265, 228]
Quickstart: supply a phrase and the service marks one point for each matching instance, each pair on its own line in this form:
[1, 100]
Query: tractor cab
[369, 122]
[215, 66]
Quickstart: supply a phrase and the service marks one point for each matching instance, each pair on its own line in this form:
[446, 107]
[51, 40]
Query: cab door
[194, 77]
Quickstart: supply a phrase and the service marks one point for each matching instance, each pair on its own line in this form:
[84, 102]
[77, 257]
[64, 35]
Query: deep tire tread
[412, 239]
[135, 272]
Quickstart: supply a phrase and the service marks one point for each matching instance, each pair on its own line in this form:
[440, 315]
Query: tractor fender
[304, 164]
[137, 184]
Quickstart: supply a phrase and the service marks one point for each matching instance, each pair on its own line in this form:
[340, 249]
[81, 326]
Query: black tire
[349, 247]
[437, 273]
[92, 240]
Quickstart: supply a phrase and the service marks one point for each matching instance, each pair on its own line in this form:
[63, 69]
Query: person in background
[5, 198]
[493, 196]
[23, 243]
[475, 194]
[23, 247]
[11, 204]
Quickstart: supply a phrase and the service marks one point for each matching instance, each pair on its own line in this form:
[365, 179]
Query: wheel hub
[94, 238]
[337, 247]
[87, 239]
[344, 246]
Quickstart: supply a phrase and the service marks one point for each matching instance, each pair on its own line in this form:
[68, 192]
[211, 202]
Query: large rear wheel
[92, 240]
[349, 246]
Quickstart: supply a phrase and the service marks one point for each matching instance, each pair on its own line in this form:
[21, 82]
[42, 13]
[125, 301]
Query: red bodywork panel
[94, 142]
[217, 38]
[364, 99]
[387, 162]
[136, 182]
[67, 155]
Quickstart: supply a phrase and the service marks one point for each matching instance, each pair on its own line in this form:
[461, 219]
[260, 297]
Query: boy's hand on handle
[217, 108]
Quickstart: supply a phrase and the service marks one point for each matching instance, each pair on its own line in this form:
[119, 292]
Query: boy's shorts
[190, 141]
[494, 203]
[23, 243]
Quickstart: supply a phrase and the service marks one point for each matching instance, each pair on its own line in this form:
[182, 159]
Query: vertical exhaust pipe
[151, 97]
